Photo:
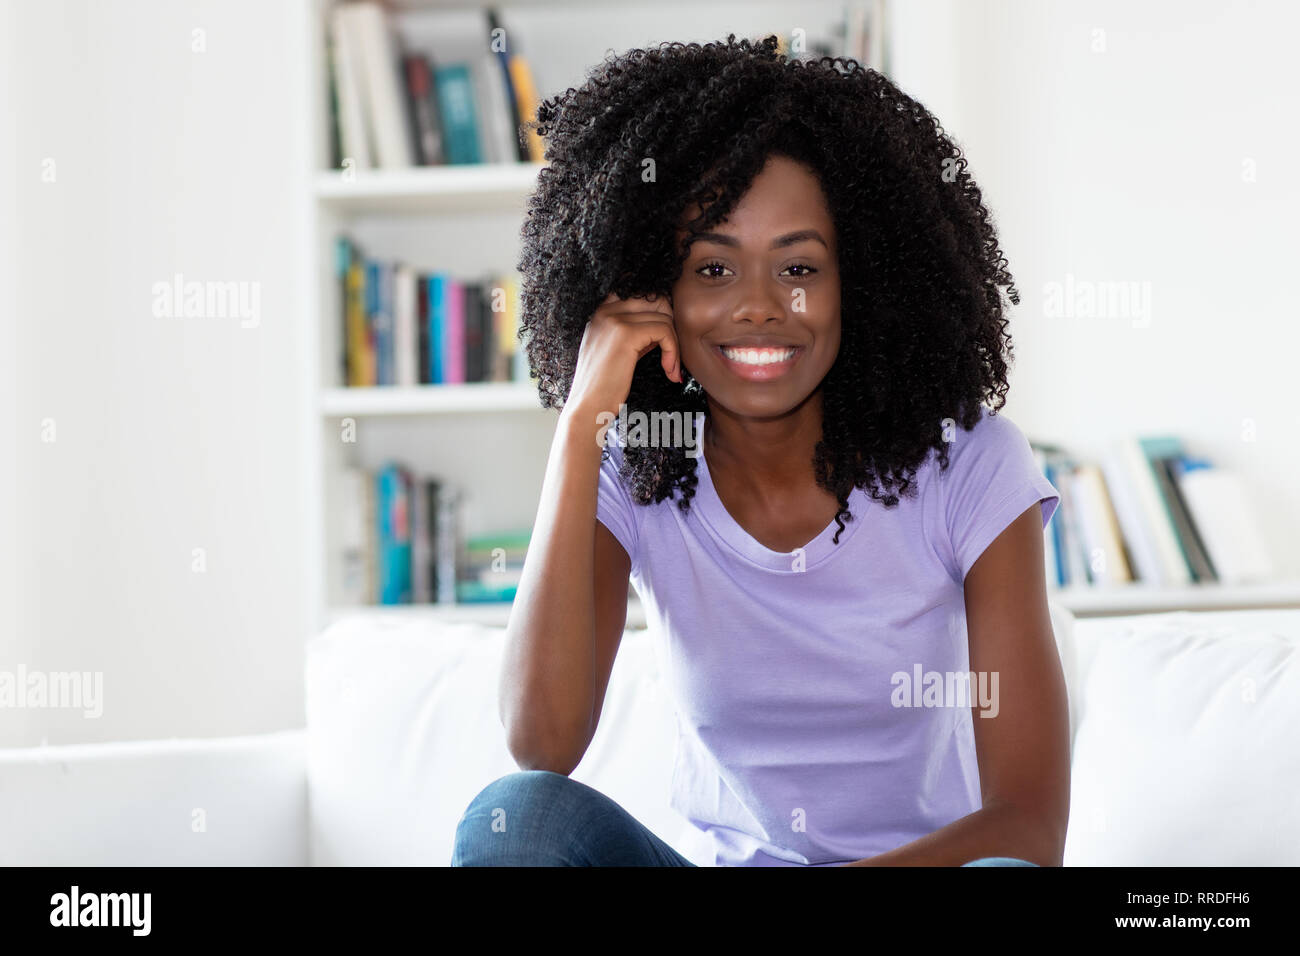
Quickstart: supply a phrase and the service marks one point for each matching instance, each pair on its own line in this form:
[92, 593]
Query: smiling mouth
[764, 356]
[759, 364]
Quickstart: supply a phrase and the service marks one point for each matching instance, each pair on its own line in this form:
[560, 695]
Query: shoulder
[992, 438]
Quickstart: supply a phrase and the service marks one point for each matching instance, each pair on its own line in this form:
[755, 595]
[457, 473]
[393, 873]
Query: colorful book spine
[423, 369]
[393, 491]
[401, 326]
[460, 134]
[521, 76]
[512, 97]
[454, 329]
[437, 325]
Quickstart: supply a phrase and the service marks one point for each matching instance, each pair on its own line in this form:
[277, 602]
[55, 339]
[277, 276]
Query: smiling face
[757, 305]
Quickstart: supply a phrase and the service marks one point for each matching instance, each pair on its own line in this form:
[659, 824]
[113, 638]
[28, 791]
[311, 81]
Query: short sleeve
[615, 508]
[992, 478]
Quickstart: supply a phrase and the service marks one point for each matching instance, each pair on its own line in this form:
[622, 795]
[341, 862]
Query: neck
[766, 457]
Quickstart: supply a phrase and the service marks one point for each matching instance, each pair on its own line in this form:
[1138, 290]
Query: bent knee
[521, 818]
[522, 785]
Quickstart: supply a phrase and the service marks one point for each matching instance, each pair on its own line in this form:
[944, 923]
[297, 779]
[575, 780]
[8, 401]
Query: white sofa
[1183, 747]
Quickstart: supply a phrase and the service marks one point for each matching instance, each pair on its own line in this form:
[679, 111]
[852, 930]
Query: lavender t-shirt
[818, 695]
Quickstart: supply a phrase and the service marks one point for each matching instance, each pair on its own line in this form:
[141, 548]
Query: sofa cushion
[230, 801]
[405, 733]
[1185, 753]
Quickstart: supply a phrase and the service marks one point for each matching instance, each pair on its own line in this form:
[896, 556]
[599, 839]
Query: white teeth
[758, 356]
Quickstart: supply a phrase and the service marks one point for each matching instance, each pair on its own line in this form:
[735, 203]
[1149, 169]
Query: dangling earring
[692, 387]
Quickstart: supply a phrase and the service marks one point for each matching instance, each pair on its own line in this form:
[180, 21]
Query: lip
[759, 373]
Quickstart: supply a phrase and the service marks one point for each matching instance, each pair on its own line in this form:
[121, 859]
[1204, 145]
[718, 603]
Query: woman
[790, 259]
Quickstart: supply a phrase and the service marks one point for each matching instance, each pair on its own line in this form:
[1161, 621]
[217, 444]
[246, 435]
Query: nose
[762, 299]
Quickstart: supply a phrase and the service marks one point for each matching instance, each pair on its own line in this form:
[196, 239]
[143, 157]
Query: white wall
[171, 433]
[1126, 164]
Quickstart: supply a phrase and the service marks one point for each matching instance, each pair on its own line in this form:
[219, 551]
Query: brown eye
[711, 265]
[804, 275]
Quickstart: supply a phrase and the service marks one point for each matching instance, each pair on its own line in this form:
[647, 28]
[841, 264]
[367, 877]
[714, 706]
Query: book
[1188, 536]
[402, 326]
[342, 271]
[460, 136]
[353, 572]
[1051, 560]
[492, 567]
[383, 324]
[1173, 568]
[521, 77]
[405, 356]
[474, 338]
[446, 544]
[370, 506]
[428, 568]
[1154, 448]
[422, 108]
[453, 368]
[353, 130]
[381, 83]
[499, 130]
[332, 95]
[421, 541]
[394, 534]
[1103, 545]
[437, 324]
[1133, 523]
[502, 55]
[1072, 550]
[1221, 508]
[423, 368]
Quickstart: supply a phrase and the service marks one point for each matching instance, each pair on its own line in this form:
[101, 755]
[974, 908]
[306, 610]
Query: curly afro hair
[923, 338]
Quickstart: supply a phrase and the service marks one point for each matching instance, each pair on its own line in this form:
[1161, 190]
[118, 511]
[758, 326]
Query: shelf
[1136, 599]
[480, 187]
[1082, 602]
[430, 399]
[491, 615]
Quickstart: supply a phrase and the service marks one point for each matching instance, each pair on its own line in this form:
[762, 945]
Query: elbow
[1034, 834]
[533, 750]
[530, 754]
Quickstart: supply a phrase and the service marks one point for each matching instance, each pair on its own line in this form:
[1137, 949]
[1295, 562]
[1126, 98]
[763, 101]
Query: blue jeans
[540, 818]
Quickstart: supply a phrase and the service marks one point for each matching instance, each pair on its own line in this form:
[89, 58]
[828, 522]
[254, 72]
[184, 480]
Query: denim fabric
[540, 818]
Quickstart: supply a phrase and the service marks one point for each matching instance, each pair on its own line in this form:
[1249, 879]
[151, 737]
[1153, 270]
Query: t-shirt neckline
[715, 514]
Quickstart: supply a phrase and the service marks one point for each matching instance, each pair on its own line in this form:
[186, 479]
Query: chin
[758, 402]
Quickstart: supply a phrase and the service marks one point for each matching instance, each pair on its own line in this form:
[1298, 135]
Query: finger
[671, 357]
[651, 302]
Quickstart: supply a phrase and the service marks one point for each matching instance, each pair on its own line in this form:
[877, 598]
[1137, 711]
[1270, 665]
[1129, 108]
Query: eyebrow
[780, 242]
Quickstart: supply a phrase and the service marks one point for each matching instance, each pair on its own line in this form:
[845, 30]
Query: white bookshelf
[1139, 599]
[429, 399]
[494, 615]
[491, 439]
[490, 187]
[494, 437]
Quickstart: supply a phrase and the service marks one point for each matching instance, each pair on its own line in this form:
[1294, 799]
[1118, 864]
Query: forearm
[548, 677]
[999, 829]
